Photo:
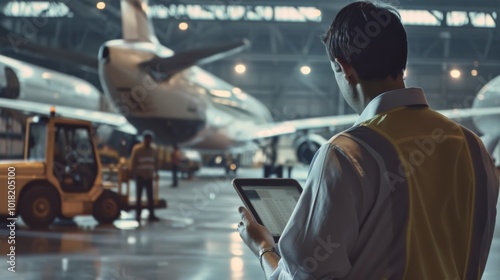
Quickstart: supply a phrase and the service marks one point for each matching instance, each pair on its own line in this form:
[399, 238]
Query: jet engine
[306, 147]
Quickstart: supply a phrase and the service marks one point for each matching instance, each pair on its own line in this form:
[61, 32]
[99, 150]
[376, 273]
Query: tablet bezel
[239, 183]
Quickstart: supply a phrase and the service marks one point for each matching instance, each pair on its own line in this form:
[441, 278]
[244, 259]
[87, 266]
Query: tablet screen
[273, 204]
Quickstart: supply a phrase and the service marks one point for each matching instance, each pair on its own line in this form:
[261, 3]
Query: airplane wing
[291, 127]
[182, 60]
[464, 114]
[115, 120]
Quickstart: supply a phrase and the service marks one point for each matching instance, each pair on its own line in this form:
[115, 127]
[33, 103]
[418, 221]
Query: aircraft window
[37, 142]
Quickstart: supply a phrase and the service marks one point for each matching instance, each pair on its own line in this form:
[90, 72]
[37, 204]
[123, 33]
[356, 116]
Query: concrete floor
[196, 239]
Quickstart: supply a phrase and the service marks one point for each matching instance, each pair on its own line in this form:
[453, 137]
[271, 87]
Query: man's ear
[349, 73]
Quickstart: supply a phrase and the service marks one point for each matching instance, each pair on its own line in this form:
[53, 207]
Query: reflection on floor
[196, 239]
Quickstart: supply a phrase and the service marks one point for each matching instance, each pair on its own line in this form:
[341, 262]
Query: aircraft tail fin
[136, 24]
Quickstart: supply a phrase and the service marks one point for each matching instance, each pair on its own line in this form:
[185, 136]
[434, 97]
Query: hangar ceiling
[460, 38]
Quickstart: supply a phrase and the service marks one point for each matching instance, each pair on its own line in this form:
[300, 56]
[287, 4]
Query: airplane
[34, 89]
[151, 87]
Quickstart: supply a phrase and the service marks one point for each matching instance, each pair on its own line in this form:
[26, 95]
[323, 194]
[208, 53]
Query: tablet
[271, 201]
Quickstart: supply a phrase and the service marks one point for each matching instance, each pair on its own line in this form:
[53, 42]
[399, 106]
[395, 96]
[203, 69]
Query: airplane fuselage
[24, 81]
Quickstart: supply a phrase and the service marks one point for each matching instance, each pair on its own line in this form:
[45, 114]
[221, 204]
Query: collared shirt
[144, 161]
[404, 194]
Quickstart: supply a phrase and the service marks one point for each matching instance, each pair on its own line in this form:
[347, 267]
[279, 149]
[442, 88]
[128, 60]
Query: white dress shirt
[343, 226]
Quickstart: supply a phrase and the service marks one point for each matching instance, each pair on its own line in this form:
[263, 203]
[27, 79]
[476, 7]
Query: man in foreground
[404, 194]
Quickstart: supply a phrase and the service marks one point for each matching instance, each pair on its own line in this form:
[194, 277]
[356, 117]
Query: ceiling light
[240, 68]
[306, 70]
[455, 73]
[100, 5]
[183, 26]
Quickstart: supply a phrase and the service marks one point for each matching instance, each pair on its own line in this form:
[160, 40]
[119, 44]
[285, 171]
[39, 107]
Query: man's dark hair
[370, 38]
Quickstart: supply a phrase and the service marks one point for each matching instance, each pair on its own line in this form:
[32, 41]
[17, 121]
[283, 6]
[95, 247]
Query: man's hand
[253, 234]
[157, 176]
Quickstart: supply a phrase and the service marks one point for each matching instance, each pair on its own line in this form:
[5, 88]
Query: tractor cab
[66, 146]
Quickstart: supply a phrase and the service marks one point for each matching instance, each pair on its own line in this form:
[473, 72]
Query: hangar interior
[443, 36]
[453, 53]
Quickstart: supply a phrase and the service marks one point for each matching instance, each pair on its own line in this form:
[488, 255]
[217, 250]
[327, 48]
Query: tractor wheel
[39, 207]
[107, 207]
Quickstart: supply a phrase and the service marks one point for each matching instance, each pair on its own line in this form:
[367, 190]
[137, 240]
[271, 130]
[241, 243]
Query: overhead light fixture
[455, 73]
[474, 73]
[183, 26]
[100, 5]
[240, 68]
[317, 13]
[306, 70]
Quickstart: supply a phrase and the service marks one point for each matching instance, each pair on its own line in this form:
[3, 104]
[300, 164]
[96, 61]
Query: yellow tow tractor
[62, 176]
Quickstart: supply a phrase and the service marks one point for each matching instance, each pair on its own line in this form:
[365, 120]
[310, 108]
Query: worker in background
[176, 161]
[144, 161]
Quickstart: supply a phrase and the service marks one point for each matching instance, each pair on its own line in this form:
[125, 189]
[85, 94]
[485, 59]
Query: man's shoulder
[358, 144]
[345, 140]
[345, 151]
[343, 144]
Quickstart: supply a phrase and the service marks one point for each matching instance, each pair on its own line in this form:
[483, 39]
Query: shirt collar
[391, 100]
